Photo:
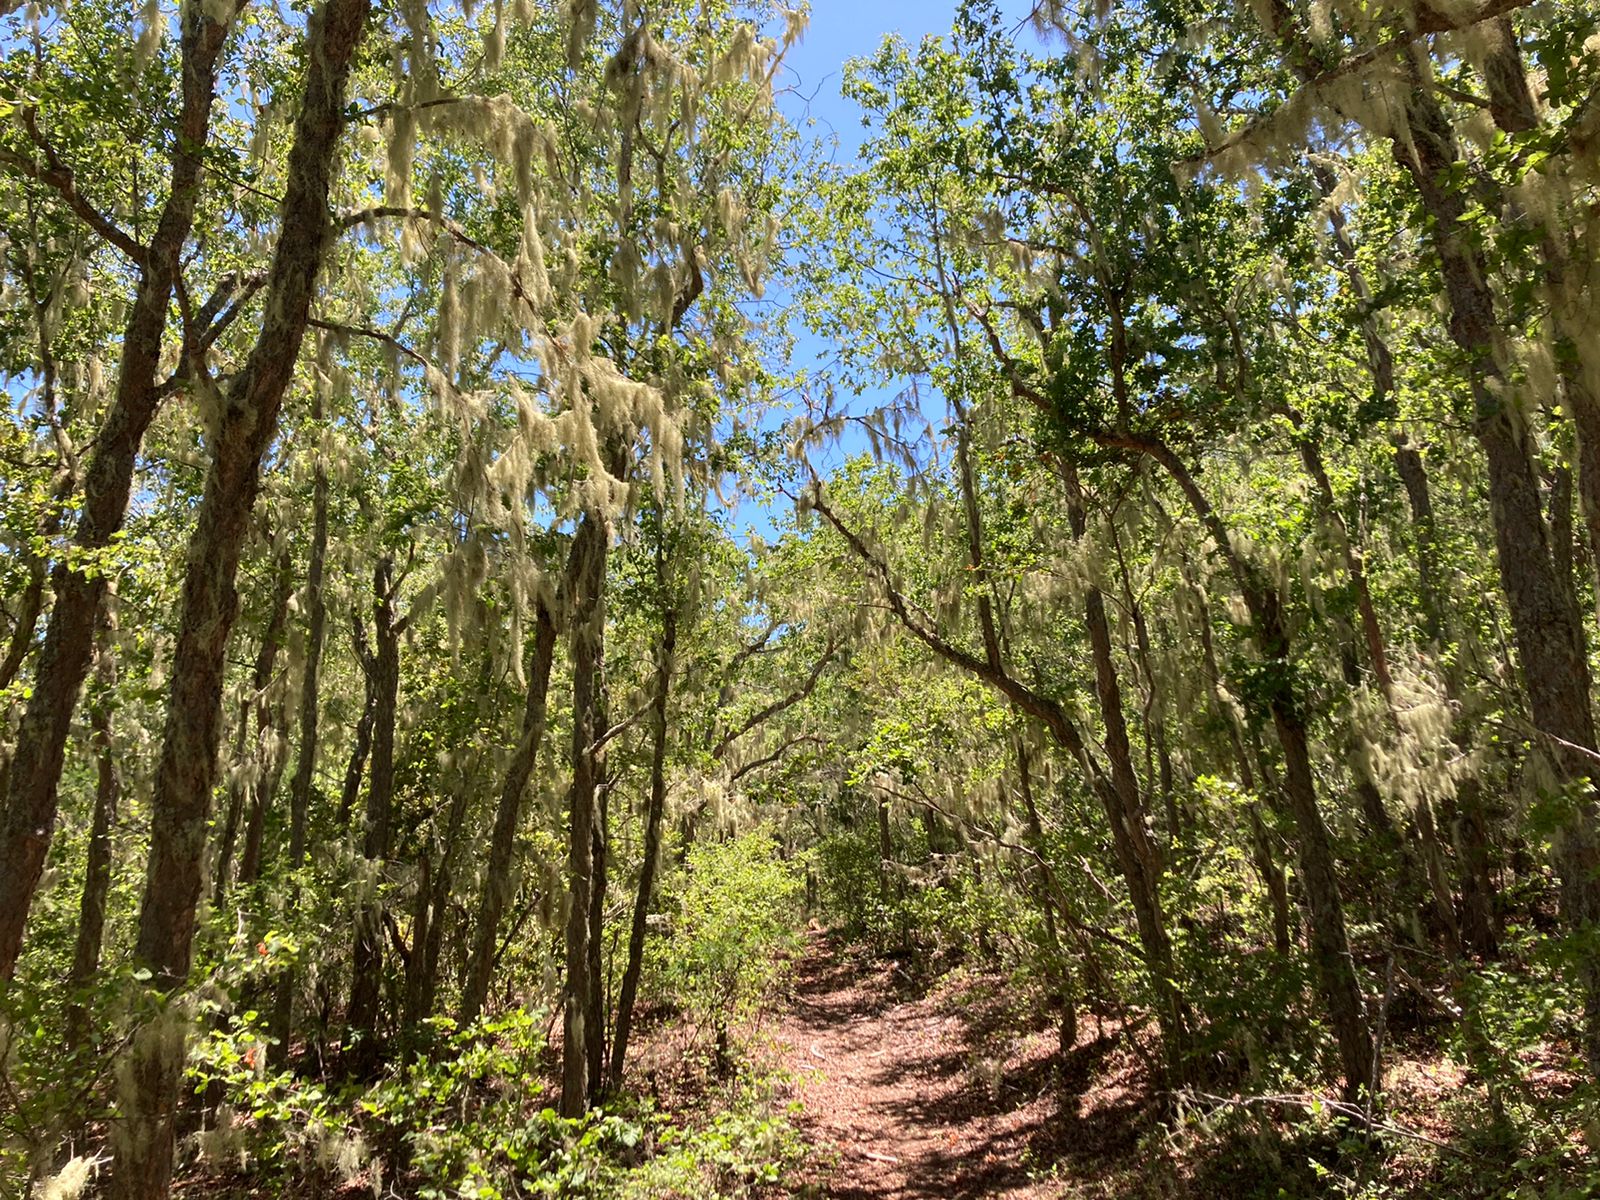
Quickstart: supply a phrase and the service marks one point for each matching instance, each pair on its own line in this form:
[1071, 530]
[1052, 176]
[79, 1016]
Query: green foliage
[731, 916]
[473, 1121]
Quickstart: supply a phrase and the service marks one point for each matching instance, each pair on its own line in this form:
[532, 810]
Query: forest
[566, 630]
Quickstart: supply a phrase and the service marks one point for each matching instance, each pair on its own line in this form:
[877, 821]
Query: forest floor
[952, 1092]
[954, 1089]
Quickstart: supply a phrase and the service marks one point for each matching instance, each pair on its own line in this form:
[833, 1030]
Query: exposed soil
[910, 1095]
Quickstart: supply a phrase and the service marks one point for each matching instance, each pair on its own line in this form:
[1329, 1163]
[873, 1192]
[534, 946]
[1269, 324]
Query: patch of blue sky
[810, 96]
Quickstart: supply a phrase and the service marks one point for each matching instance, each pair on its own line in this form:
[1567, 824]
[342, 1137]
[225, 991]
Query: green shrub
[733, 912]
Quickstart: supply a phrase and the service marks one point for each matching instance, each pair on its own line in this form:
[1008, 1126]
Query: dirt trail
[926, 1096]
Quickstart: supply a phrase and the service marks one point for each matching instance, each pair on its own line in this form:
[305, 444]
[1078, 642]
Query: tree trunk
[507, 817]
[367, 961]
[600, 851]
[655, 808]
[305, 767]
[97, 870]
[266, 763]
[1330, 940]
[361, 744]
[1137, 856]
[1059, 974]
[591, 547]
[1549, 640]
[187, 764]
[34, 770]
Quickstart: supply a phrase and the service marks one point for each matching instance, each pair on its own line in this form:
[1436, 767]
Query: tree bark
[35, 767]
[507, 817]
[367, 960]
[282, 1019]
[655, 808]
[592, 544]
[97, 868]
[187, 764]
[1549, 639]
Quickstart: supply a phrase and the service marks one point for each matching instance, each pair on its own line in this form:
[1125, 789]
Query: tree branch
[57, 175]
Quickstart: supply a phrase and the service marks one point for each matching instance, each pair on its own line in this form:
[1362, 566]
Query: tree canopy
[503, 525]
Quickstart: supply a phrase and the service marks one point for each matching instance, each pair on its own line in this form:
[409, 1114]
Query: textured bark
[1512, 106]
[507, 817]
[34, 771]
[367, 961]
[588, 611]
[654, 810]
[186, 767]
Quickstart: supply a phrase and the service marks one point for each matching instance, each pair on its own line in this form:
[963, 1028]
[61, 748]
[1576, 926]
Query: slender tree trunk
[1470, 832]
[1137, 856]
[433, 907]
[1427, 850]
[97, 869]
[266, 763]
[22, 632]
[186, 767]
[600, 851]
[1330, 940]
[1549, 640]
[1272, 875]
[361, 744]
[588, 613]
[654, 810]
[282, 1020]
[34, 770]
[266, 790]
[1062, 988]
[361, 1018]
[507, 817]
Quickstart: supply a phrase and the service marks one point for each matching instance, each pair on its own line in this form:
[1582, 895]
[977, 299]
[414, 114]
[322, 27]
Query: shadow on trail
[940, 1095]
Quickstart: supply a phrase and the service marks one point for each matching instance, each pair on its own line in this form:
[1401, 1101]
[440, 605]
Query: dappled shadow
[956, 1093]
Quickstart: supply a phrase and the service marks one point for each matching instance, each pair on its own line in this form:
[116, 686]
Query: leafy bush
[470, 1123]
[734, 913]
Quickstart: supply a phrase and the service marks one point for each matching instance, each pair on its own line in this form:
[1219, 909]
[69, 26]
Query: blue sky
[810, 97]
